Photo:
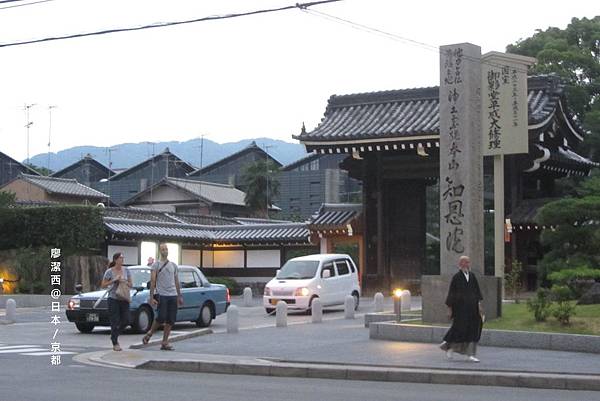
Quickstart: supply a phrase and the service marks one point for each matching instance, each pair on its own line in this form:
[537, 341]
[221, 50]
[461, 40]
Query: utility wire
[399, 38]
[301, 6]
[22, 5]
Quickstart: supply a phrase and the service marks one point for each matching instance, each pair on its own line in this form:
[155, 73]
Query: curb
[179, 337]
[262, 367]
[2, 321]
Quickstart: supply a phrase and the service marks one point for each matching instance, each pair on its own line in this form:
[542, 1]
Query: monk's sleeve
[450, 299]
[478, 291]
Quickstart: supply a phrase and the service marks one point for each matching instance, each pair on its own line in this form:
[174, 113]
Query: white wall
[264, 258]
[129, 252]
[190, 257]
[229, 259]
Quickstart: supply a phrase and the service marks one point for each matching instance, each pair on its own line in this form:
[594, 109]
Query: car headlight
[74, 303]
[268, 292]
[302, 292]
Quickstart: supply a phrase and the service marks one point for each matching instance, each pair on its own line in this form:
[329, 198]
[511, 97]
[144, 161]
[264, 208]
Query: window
[199, 281]
[187, 279]
[328, 266]
[342, 267]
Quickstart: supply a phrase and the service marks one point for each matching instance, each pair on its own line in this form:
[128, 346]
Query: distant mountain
[126, 155]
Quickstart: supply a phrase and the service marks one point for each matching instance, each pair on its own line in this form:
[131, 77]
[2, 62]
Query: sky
[257, 76]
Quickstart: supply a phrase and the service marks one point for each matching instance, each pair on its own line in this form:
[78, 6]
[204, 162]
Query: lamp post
[397, 295]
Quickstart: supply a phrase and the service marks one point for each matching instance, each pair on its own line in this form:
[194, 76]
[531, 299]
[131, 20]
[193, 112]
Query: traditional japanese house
[10, 169]
[86, 171]
[391, 143]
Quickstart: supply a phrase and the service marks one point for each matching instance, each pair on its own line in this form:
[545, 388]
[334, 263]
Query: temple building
[391, 143]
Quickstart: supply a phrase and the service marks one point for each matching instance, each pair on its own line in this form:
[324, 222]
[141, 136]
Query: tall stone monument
[461, 181]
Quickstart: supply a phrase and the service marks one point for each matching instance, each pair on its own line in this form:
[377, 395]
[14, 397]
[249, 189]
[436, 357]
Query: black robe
[463, 298]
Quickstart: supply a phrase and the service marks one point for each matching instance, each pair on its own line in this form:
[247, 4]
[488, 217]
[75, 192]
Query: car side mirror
[78, 288]
[326, 274]
[277, 273]
[148, 284]
[139, 289]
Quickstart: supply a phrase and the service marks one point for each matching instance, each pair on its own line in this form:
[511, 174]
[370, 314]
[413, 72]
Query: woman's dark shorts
[167, 309]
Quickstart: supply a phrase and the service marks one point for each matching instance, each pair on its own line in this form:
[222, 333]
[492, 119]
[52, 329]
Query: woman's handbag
[122, 292]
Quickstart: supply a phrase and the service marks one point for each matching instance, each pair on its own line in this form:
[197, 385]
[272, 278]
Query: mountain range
[126, 155]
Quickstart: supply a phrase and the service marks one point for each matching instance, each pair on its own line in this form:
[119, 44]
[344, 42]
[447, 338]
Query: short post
[406, 301]
[349, 304]
[11, 310]
[398, 304]
[233, 319]
[378, 299]
[317, 310]
[247, 296]
[281, 314]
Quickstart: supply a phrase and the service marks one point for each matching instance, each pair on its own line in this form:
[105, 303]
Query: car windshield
[298, 269]
[140, 277]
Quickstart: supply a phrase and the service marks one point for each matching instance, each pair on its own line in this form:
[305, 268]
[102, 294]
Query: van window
[342, 267]
[298, 269]
[352, 268]
[328, 266]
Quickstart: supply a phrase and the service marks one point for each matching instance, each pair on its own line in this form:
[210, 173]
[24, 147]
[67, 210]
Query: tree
[574, 54]
[7, 199]
[261, 185]
[41, 170]
[31, 268]
[572, 234]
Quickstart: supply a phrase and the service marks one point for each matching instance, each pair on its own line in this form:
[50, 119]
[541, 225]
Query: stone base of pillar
[434, 290]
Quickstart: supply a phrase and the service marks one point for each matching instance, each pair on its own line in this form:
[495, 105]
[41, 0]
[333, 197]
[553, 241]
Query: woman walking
[118, 307]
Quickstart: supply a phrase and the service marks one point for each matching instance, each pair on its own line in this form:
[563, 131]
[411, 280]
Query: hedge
[65, 227]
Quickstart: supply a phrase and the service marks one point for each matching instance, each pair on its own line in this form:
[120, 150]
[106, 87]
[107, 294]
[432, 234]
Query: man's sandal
[146, 339]
[167, 347]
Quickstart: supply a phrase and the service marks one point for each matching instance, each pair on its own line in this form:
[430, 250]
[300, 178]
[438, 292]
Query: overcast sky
[229, 79]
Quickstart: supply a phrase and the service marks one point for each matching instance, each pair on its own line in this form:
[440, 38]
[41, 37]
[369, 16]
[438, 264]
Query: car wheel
[269, 310]
[84, 327]
[143, 320]
[205, 317]
[356, 300]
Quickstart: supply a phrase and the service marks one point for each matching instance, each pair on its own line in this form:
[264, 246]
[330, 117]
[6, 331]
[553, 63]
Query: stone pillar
[461, 177]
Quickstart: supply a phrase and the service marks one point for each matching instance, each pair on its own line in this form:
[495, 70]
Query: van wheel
[356, 299]
[309, 310]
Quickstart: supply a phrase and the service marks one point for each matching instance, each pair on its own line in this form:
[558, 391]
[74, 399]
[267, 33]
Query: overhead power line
[301, 6]
[22, 5]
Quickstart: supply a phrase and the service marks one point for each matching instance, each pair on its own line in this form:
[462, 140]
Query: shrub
[540, 304]
[513, 280]
[579, 280]
[234, 287]
[563, 309]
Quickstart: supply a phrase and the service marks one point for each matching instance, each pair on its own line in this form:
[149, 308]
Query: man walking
[464, 308]
[164, 282]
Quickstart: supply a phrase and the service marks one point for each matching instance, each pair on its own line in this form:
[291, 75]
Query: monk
[465, 309]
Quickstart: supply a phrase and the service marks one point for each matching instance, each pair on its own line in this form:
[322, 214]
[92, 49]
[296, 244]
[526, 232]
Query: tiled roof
[332, 215]
[526, 211]
[258, 233]
[415, 112]
[210, 191]
[62, 186]
[165, 217]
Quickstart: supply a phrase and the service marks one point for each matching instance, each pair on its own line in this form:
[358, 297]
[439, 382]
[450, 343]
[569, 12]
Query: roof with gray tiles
[332, 215]
[165, 217]
[62, 186]
[415, 112]
[210, 191]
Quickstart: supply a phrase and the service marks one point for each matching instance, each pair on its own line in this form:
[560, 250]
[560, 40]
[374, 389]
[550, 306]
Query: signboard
[504, 103]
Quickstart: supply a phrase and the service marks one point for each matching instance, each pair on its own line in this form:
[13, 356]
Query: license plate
[274, 302]
[92, 317]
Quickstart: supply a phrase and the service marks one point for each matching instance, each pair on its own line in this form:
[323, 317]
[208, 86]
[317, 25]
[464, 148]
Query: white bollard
[281, 314]
[378, 299]
[405, 300]
[317, 311]
[11, 310]
[349, 307]
[233, 319]
[247, 296]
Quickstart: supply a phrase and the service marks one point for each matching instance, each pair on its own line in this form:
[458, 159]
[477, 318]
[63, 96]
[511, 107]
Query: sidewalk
[342, 349]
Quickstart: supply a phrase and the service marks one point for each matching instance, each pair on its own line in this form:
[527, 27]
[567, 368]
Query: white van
[329, 277]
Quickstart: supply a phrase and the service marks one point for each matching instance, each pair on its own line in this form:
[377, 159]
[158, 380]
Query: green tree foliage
[540, 304]
[574, 54]
[574, 240]
[7, 199]
[260, 180]
[32, 269]
[41, 170]
[513, 280]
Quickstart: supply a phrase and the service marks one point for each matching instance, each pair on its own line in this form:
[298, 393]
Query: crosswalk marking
[19, 350]
[31, 350]
[18, 346]
[48, 353]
